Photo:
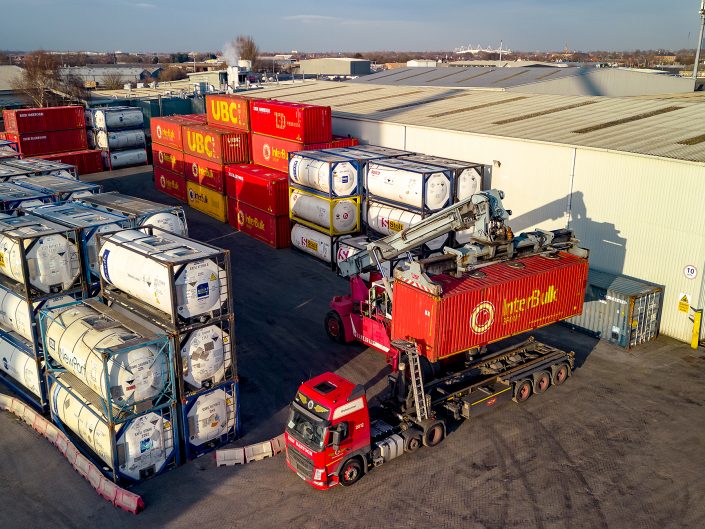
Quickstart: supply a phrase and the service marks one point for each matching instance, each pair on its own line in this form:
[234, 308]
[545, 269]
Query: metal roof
[665, 128]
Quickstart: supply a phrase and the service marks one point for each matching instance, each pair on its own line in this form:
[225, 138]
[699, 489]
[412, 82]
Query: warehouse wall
[633, 212]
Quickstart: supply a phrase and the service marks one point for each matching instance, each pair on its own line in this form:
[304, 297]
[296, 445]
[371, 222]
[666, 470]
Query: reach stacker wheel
[334, 327]
[523, 390]
[434, 434]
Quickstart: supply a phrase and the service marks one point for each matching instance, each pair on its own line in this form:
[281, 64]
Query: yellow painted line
[490, 396]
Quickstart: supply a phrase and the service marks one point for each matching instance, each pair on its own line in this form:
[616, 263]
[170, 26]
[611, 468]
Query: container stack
[168, 153]
[40, 267]
[61, 189]
[8, 150]
[118, 132]
[41, 131]
[183, 290]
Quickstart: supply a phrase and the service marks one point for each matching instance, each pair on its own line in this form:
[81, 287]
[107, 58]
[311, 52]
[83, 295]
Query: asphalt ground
[620, 445]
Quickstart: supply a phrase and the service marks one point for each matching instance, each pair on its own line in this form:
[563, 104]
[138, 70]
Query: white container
[144, 443]
[52, 261]
[120, 139]
[211, 416]
[118, 118]
[20, 365]
[117, 159]
[15, 312]
[406, 186]
[345, 214]
[311, 241]
[196, 289]
[75, 337]
[387, 220]
[331, 174]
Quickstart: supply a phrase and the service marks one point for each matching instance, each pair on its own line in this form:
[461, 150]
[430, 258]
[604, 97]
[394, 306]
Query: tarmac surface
[620, 445]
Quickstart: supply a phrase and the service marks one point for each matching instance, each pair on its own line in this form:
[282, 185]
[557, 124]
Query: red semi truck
[433, 323]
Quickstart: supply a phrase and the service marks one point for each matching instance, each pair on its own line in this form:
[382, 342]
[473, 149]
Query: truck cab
[328, 432]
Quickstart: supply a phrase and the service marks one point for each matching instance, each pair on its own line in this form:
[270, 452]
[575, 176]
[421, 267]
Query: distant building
[334, 66]
[98, 74]
[421, 63]
[665, 59]
[9, 97]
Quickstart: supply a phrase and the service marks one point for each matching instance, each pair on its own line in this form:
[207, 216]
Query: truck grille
[302, 465]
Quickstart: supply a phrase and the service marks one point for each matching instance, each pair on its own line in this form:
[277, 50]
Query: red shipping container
[258, 186]
[28, 120]
[167, 130]
[508, 299]
[270, 229]
[291, 121]
[86, 162]
[50, 142]
[340, 142]
[207, 173]
[232, 212]
[274, 152]
[217, 144]
[168, 158]
[170, 183]
[229, 111]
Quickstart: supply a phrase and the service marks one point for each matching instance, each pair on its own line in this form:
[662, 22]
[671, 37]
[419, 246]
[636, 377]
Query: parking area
[620, 445]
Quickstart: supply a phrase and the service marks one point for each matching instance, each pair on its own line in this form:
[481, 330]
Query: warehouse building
[337, 66]
[628, 175]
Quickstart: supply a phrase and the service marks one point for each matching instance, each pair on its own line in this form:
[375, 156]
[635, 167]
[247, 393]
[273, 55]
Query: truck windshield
[311, 433]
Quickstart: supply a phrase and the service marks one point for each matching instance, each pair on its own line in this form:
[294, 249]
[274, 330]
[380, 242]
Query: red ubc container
[274, 152]
[86, 162]
[216, 144]
[505, 299]
[36, 143]
[259, 187]
[168, 130]
[232, 212]
[168, 158]
[207, 173]
[28, 120]
[271, 229]
[291, 121]
[170, 183]
[229, 111]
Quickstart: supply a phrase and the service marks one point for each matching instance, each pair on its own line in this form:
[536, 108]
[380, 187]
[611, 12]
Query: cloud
[311, 19]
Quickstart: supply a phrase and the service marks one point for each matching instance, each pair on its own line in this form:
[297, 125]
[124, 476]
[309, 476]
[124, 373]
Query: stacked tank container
[111, 388]
[168, 153]
[13, 168]
[118, 132]
[9, 150]
[40, 267]
[182, 289]
[60, 188]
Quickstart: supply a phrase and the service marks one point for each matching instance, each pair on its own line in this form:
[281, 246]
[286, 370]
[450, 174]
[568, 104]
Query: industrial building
[628, 175]
[576, 81]
[337, 66]
[99, 74]
[9, 96]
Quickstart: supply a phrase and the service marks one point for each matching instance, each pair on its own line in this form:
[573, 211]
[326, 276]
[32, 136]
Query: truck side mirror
[335, 439]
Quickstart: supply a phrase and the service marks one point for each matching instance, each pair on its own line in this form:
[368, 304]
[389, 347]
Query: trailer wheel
[542, 382]
[350, 472]
[523, 390]
[434, 434]
[334, 327]
[561, 374]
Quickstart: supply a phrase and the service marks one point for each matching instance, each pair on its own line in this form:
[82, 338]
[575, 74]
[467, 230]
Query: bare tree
[40, 76]
[112, 81]
[247, 49]
[173, 73]
[74, 86]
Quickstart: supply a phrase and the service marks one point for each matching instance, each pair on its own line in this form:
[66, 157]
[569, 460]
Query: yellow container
[332, 216]
[207, 201]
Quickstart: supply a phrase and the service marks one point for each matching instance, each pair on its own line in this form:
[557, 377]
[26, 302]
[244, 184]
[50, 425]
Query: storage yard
[273, 308]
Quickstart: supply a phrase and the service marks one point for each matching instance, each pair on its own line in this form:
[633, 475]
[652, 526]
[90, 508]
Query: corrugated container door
[645, 318]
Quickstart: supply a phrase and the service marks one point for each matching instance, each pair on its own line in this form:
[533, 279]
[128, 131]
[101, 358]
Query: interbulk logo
[159, 131]
[482, 317]
[513, 309]
[266, 151]
[252, 222]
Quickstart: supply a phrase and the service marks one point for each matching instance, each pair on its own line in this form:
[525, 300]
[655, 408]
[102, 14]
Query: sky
[349, 25]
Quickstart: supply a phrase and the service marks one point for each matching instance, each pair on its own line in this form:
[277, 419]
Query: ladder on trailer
[417, 389]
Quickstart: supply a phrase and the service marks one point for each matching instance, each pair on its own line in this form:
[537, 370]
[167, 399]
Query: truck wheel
[434, 434]
[412, 442]
[523, 390]
[334, 327]
[350, 473]
[561, 374]
[542, 382]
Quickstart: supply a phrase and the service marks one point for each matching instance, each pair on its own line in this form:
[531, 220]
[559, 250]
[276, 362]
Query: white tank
[20, 365]
[205, 356]
[345, 214]
[311, 241]
[387, 220]
[120, 139]
[126, 158]
[469, 182]
[75, 337]
[118, 118]
[15, 312]
[197, 288]
[331, 174]
[166, 221]
[398, 183]
[53, 261]
[142, 444]
[212, 415]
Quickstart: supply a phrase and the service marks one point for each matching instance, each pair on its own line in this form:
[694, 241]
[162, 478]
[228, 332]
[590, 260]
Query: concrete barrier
[258, 452]
[226, 457]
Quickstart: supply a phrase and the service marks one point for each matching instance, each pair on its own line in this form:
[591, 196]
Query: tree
[155, 60]
[40, 76]
[247, 49]
[112, 81]
[74, 86]
[179, 57]
[172, 74]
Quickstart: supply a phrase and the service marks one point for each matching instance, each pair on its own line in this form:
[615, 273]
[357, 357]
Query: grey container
[619, 309]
